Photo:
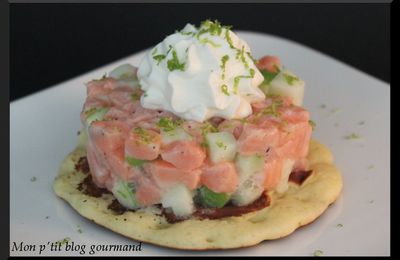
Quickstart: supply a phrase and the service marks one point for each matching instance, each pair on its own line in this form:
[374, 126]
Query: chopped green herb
[224, 89]
[159, 58]
[33, 179]
[313, 124]
[339, 225]
[224, 59]
[134, 162]
[290, 79]
[174, 64]
[268, 76]
[318, 253]
[221, 145]
[352, 136]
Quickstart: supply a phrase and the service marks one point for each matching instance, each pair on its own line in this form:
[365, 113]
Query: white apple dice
[222, 147]
[287, 84]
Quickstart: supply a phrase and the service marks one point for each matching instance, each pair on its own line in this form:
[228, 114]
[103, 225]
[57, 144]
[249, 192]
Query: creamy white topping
[199, 73]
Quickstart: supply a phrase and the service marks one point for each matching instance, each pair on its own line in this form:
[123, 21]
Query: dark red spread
[88, 187]
[82, 165]
[299, 176]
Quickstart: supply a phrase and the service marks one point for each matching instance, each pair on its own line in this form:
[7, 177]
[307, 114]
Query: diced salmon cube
[166, 175]
[273, 171]
[100, 174]
[258, 140]
[108, 135]
[147, 192]
[221, 177]
[270, 63]
[143, 144]
[185, 155]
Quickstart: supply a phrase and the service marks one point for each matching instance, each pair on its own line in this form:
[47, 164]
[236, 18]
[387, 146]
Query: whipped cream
[199, 73]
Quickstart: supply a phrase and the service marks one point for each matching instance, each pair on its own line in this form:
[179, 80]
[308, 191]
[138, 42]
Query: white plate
[43, 131]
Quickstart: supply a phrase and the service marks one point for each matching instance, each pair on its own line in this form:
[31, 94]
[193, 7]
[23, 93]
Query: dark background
[54, 42]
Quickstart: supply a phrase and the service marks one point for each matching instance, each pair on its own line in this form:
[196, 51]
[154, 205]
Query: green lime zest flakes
[214, 28]
[268, 76]
[236, 80]
[318, 253]
[339, 225]
[224, 60]
[159, 58]
[224, 89]
[174, 64]
[63, 241]
[290, 79]
[229, 39]
[240, 54]
[206, 40]
[134, 162]
[207, 127]
[220, 144]
[352, 136]
[143, 135]
[187, 33]
[251, 57]
[312, 124]
[154, 51]
[273, 108]
[167, 124]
